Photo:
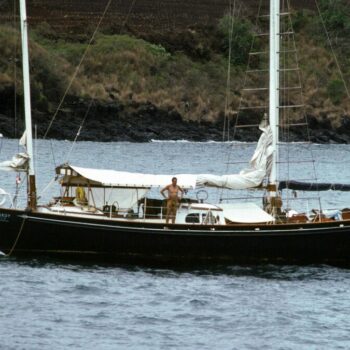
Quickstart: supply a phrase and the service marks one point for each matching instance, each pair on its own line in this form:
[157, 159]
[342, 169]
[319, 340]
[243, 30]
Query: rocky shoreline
[144, 122]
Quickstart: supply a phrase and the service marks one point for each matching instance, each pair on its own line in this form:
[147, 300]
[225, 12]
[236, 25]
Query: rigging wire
[128, 15]
[79, 130]
[231, 146]
[303, 103]
[228, 81]
[92, 98]
[53, 180]
[15, 70]
[19, 186]
[70, 84]
[285, 115]
[332, 49]
[80, 63]
[77, 68]
[246, 74]
[286, 94]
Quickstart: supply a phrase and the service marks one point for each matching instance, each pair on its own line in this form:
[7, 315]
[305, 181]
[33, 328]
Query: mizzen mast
[27, 106]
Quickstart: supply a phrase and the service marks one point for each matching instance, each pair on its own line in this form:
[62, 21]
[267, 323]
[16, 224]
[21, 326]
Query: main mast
[27, 106]
[274, 88]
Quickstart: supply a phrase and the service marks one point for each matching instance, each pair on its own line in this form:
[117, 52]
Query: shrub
[336, 17]
[242, 38]
[336, 91]
[302, 19]
[44, 30]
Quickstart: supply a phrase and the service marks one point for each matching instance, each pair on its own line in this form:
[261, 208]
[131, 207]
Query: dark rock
[345, 123]
[335, 138]
[312, 122]
[142, 122]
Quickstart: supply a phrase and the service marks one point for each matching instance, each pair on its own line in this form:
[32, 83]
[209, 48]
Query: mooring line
[19, 234]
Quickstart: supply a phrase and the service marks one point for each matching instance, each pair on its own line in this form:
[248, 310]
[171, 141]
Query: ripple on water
[230, 307]
[61, 305]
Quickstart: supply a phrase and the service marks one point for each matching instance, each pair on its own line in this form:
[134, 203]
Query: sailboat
[95, 217]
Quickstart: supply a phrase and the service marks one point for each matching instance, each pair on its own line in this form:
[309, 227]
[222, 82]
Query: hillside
[158, 69]
[143, 16]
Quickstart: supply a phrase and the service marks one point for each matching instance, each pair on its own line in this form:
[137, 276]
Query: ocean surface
[56, 304]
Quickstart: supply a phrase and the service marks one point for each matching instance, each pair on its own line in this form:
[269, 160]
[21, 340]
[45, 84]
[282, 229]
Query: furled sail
[19, 162]
[260, 166]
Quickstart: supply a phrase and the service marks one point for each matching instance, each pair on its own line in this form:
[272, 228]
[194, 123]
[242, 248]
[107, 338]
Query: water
[59, 305]
[323, 163]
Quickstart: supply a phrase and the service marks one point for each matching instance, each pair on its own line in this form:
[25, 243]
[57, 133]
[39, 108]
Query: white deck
[96, 214]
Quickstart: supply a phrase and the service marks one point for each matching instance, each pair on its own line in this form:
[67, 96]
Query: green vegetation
[336, 20]
[336, 91]
[336, 17]
[240, 33]
[190, 78]
[125, 67]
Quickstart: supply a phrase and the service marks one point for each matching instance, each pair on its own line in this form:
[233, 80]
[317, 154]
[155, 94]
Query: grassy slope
[122, 67]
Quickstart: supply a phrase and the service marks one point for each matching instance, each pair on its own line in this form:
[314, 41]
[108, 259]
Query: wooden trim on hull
[51, 234]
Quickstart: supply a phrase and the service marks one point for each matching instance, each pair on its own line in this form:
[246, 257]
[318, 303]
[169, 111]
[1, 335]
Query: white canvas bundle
[19, 162]
[260, 166]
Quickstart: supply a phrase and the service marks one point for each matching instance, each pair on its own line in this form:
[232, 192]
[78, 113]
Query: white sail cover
[260, 166]
[137, 180]
[18, 162]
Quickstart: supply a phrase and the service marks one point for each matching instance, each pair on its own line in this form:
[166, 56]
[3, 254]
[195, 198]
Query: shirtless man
[173, 199]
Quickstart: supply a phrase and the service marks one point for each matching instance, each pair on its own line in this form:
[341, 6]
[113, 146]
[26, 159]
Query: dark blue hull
[39, 233]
